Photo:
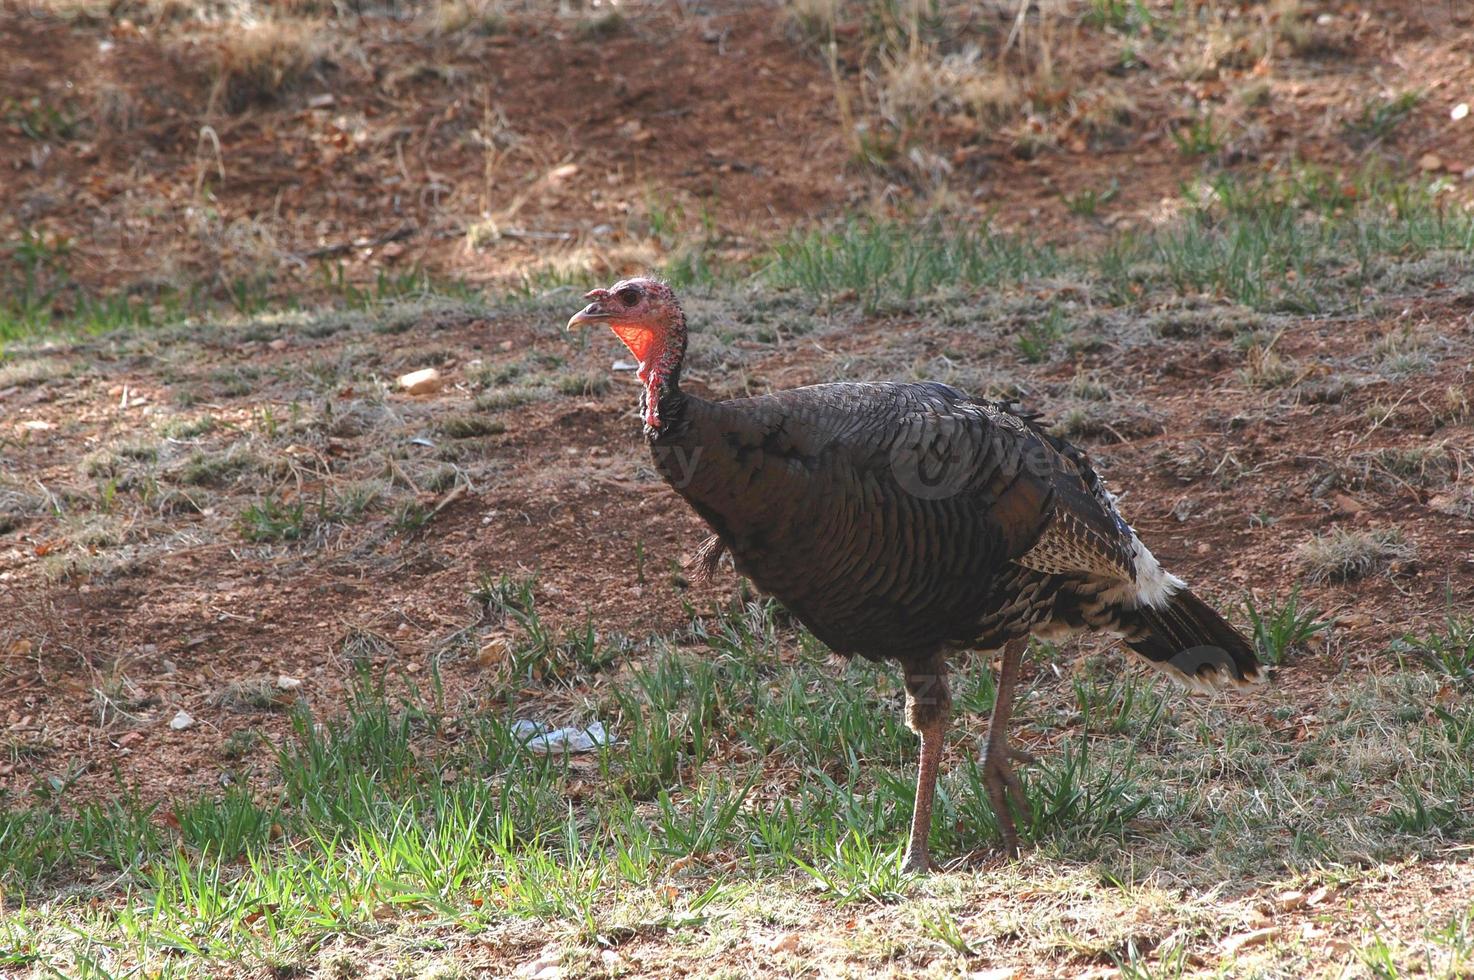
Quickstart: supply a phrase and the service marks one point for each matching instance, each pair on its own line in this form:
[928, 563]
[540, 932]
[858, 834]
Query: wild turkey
[904, 522]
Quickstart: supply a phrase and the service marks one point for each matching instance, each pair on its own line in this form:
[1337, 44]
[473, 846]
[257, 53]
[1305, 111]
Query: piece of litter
[422, 441]
[1459, 111]
[543, 739]
[625, 366]
[181, 721]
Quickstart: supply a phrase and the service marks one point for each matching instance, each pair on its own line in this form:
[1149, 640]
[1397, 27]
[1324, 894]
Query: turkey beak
[593, 313]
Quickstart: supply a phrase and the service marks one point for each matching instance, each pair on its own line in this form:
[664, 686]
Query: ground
[267, 617]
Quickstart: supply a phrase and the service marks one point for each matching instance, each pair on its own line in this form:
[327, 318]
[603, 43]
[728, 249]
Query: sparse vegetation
[1281, 626]
[251, 723]
[1380, 118]
[394, 796]
[1449, 651]
[1342, 554]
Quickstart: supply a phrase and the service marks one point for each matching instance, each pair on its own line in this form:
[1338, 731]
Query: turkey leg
[928, 702]
[1005, 790]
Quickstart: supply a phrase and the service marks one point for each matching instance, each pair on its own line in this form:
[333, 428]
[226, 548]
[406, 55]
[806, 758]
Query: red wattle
[640, 339]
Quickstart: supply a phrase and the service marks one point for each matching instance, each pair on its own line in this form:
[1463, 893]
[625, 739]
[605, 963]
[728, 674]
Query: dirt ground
[181, 605]
[131, 588]
[596, 144]
[750, 133]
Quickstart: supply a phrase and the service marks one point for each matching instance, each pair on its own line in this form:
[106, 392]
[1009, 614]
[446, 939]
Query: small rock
[547, 966]
[421, 382]
[278, 344]
[1459, 111]
[1430, 162]
[181, 720]
[285, 683]
[784, 942]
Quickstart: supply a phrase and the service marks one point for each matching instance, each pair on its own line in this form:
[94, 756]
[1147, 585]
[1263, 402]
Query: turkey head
[645, 315]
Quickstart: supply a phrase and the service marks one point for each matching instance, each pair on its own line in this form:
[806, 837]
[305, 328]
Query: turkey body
[902, 522]
[899, 520]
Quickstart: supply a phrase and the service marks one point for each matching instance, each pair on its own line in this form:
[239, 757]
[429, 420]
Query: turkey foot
[1005, 789]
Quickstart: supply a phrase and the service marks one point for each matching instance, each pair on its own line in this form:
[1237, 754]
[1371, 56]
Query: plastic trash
[542, 738]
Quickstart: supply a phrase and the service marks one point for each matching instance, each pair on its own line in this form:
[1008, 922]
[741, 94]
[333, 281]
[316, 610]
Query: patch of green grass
[854, 869]
[1380, 118]
[271, 520]
[739, 747]
[886, 263]
[39, 119]
[1087, 202]
[574, 385]
[1199, 138]
[1281, 626]
[1124, 16]
[1449, 651]
[217, 468]
[1037, 340]
[188, 428]
[1303, 239]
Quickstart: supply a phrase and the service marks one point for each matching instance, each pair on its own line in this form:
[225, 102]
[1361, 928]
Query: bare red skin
[652, 327]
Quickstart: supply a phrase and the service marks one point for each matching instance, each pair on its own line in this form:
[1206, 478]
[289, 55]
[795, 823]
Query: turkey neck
[661, 400]
[680, 428]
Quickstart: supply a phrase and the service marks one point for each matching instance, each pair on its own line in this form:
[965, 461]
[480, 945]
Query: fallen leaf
[1248, 940]
[494, 651]
[997, 973]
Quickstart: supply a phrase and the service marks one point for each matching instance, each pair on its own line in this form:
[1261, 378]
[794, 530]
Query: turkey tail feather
[1186, 638]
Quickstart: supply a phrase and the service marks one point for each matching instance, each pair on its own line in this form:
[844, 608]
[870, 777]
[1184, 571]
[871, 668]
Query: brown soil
[722, 112]
[565, 143]
[567, 495]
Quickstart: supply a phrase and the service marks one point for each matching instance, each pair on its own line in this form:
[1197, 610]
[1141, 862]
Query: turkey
[905, 522]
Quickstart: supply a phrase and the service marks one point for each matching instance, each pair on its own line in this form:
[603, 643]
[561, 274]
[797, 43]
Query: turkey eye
[629, 296]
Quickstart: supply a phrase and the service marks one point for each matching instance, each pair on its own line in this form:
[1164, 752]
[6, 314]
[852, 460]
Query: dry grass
[259, 62]
[1264, 367]
[461, 16]
[1341, 555]
[254, 694]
